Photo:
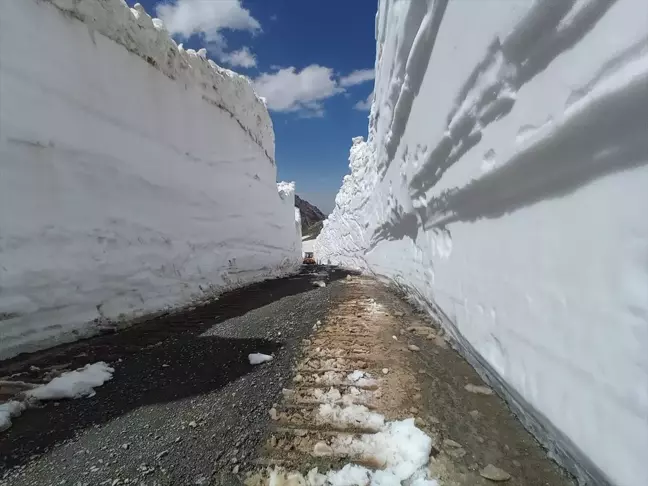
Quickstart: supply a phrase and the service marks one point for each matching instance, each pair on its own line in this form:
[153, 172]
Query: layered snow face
[133, 175]
[503, 185]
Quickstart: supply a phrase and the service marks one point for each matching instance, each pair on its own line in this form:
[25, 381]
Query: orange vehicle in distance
[308, 258]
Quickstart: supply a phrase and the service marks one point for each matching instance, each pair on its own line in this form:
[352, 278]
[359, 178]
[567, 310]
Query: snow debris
[361, 378]
[400, 448]
[9, 410]
[74, 384]
[350, 416]
[319, 283]
[355, 376]
[479, 389]
[258, 358]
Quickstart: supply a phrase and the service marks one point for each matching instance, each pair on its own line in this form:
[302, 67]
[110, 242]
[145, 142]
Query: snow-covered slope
[503, 185]
[134, 175]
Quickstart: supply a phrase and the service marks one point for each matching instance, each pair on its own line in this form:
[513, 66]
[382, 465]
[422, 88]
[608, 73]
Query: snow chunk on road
[400, 446]
[258, 358]
[361, 379]
[74, 384]
[8, 411]
[349, 416]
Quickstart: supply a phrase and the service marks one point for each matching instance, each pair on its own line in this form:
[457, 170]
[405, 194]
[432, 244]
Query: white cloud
[291, 90]
[242, 58]
[364, 105]
[210, 18]
[357, 77]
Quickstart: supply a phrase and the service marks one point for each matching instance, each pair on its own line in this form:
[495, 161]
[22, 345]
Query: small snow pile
[334, 396]
[319, 283]
[258, 358]
[350, 416]
[372, 307]
[400, 447]
[8, 411]
[361, 378]
[74, 384]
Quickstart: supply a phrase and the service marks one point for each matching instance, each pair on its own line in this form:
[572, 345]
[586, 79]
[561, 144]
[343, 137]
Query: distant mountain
[311, 217]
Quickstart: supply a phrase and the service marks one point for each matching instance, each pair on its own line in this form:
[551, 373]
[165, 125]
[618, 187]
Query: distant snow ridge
[147, 37]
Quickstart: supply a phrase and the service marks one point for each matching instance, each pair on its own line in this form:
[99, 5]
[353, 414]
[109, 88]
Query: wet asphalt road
[184, 405]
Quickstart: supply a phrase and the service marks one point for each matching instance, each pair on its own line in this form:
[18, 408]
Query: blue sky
[313, 60]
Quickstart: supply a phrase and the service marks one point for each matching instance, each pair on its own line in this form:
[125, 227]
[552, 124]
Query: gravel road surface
[184, 405]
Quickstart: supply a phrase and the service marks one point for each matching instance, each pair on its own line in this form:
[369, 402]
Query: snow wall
[503, 185]
[134, 175]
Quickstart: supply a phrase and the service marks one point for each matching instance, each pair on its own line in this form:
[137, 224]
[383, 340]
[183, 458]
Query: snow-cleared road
[186, 407]
[184, 402]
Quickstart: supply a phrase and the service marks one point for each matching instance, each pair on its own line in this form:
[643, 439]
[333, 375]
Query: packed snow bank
[503, 185]
[135, 175]
[73, 384]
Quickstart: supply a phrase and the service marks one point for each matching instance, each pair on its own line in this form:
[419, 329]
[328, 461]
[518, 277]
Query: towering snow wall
[504, 186]
[134, 175]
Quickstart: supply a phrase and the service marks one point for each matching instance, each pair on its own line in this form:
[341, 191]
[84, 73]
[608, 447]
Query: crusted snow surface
[502, 186]
[136, 176]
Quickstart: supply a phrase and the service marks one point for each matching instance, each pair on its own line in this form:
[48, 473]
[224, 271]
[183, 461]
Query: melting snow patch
[361, 378]
[373, 307]
[400, 448]
[356, 375]
[74, 384]
[258, 358]
[350, 416]
[8, 411]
